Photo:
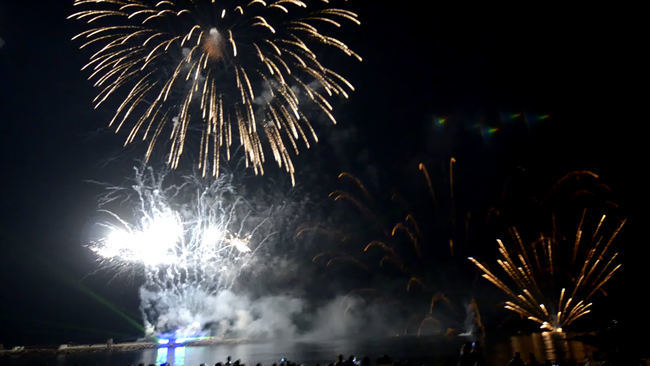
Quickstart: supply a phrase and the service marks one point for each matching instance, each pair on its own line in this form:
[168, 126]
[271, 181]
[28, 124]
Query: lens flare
[210, 70]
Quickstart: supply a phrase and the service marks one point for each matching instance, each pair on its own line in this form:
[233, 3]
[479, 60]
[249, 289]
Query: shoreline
[117, 347]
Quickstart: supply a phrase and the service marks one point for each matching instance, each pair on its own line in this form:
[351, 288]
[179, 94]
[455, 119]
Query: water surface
[426, 350]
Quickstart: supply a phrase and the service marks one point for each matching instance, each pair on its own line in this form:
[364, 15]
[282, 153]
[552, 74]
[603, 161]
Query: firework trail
[405, 249]
[191, 239]
[551, 280]
[407, 228]
[221, 67]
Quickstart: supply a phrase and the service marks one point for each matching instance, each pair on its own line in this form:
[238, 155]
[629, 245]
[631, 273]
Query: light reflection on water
[161, 355]
[179, 356]
[310, 353]
[172, 356]
[428, 350]
[249, 353]
[551, 346]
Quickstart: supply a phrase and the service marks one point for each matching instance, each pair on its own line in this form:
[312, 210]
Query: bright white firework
[154, 243]
[191, 238]
[159, 239]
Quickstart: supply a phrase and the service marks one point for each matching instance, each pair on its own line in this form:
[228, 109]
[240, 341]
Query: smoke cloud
[202, 284]
[225, 314]
[236, 316]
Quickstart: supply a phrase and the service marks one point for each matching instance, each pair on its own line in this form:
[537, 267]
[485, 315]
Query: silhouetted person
[228, 363]
[339, 361]
[349, 361]
[218, 364]
[532, 361]
[516, 360]
[466, 358]
[365, 361]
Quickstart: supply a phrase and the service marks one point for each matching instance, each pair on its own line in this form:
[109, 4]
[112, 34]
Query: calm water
[429, 350]
[423, 350]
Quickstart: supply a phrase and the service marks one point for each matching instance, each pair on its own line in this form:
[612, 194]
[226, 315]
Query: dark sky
[470, 65]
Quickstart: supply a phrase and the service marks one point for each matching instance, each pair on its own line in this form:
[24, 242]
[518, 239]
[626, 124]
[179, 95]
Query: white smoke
[224, 315]
[213, 287]
[233, 316]
[347, 316]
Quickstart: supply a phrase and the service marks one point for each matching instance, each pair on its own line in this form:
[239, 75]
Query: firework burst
[552, 280]
[191, 240]
[223, 68]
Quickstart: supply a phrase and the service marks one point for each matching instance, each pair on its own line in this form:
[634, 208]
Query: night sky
[475, 67]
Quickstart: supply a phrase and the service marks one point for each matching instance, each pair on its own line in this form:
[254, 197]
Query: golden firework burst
[552, 280]
[217, 68]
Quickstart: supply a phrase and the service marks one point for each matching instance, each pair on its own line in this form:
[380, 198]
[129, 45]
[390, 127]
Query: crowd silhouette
[470, 355]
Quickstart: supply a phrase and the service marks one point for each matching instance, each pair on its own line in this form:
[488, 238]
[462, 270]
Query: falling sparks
[195, 224]
[406, 245]
[190, 240]
[201, 68]
[536, 271]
